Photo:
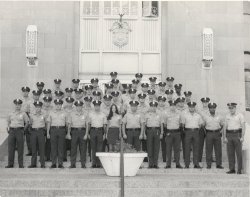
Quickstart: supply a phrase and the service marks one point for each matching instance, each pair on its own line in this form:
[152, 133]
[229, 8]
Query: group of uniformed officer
[147, 115]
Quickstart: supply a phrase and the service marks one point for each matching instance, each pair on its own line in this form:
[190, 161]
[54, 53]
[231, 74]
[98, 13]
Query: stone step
[133, 192]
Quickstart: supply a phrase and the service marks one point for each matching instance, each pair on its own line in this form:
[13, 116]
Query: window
[150, 8]
[90, 8]
[113, 8]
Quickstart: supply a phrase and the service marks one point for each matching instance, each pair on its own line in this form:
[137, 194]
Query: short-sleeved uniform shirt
[17, 119]
[191, 121]
[132, 120]
[78, 119]
[212, 122]
[235, 121]
[153, 119]
[58, 118]
[97, 119]
[38, 120]
[172, 120]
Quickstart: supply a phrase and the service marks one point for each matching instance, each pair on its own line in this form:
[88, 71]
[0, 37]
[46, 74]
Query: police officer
[204, 111]
[177, 92]
[133, 126]
[135, 83]
[88, 90]
[162, 89]
[78, 94]
[144, 88]
[213, 125]
[169, 93]
[68, 108]
[152, 95]
[75, 83]
[27, 101]
[109, 88]
[170, 83]
[40, 86]
[17, 123]
[192, 122]
[47, 93]
[98, 123]
[172, 122]
[38, 123]
[78, 126]
[56, 131]
[47, 108]
[233, 135]
[97, 96]
[68, 92]
[57, 85]
[58, 95]
[188, 95]
[154, 132]
[162, 110]
[88, 106]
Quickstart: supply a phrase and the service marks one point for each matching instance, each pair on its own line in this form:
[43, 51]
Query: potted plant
[132, 160]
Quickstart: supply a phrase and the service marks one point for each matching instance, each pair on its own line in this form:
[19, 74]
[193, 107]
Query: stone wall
[58, 45]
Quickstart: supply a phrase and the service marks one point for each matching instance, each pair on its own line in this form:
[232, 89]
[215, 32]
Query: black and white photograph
[124, 98]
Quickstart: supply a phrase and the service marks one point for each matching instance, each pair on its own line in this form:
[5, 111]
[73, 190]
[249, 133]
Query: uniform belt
[189, 129]
[234, 131]
[57, 127]
[36, 129]
[153, 127]
[97, 128]
[212, 131]
[135, 129]
[78, 128]
[173, 130]
[16, 128]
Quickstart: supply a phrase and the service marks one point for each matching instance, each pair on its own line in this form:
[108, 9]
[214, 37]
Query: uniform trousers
[133, 138]
[173, 141]
[96, 140]
[57, 140]
[37, 141]
[213, 141]
[153, 145]
[16, 137]
[234, 146]
[78, 141]
[191, 139]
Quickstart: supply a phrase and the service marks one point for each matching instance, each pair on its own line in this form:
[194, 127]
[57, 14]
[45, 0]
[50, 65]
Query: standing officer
[97, 95]
[98, 123]
[109, 88]
[17, 122]
[38, 122]
[56, 131]
[170, 83]
[144, 88]
[78, 94]
[57, 83]
[188, 95]
[47, 108]
[88, 90]
[204, 111]
[152, 95]
[213, 125]
[40, 86]
[75, 83]
[162, 110]
[173, 135]
[78, 127]
[26, 100]
[192, 122]
[178, 92]
[162, 89]
[154, 132]
[234, 132]
[133, 126]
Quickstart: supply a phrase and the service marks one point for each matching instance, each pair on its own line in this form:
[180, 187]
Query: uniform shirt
[17, 119]
[153, 119]
[142, 109]
[132, 120]
[27, 101]
[105, 108]
[173, 120]
[78, 119]
[32, 107]
[57, 118]
[38, 120]
[46, 111]
[235, 121]
[191, 121]
[115, 121]
[162, 110]
[88, 108]
[97, 119]
[212, 122]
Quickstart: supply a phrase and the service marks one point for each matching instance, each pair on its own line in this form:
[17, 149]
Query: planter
[111, 163]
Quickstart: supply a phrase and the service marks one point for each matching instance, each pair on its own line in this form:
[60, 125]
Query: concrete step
[134, 192]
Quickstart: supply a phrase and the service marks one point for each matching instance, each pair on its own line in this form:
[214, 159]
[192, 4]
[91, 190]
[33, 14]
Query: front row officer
[234, 131]
[98, 123]
[173, 135]
[213, 127]
[56, 131]
[38, 122]
[192, 122]
[17, 122]
[78, 127]
[133, 126]
[154, 132]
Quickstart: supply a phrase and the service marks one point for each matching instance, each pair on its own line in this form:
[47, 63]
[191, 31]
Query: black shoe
[231, 172]
[208, 167]
[186, 167]
[65, 159]
[179, 166]
[42, 166]
[167, 166]
[219, 167]
[53, 166]
[150, 166]
[164, 160]
[197, 166]
[156, 167]
[239, 172]
[32, 166]
[72, 166]
[9, 166]
[93, 166]
[98, 166]
[29, 154]
[83, 166]
[21, 166]
[60, 166]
